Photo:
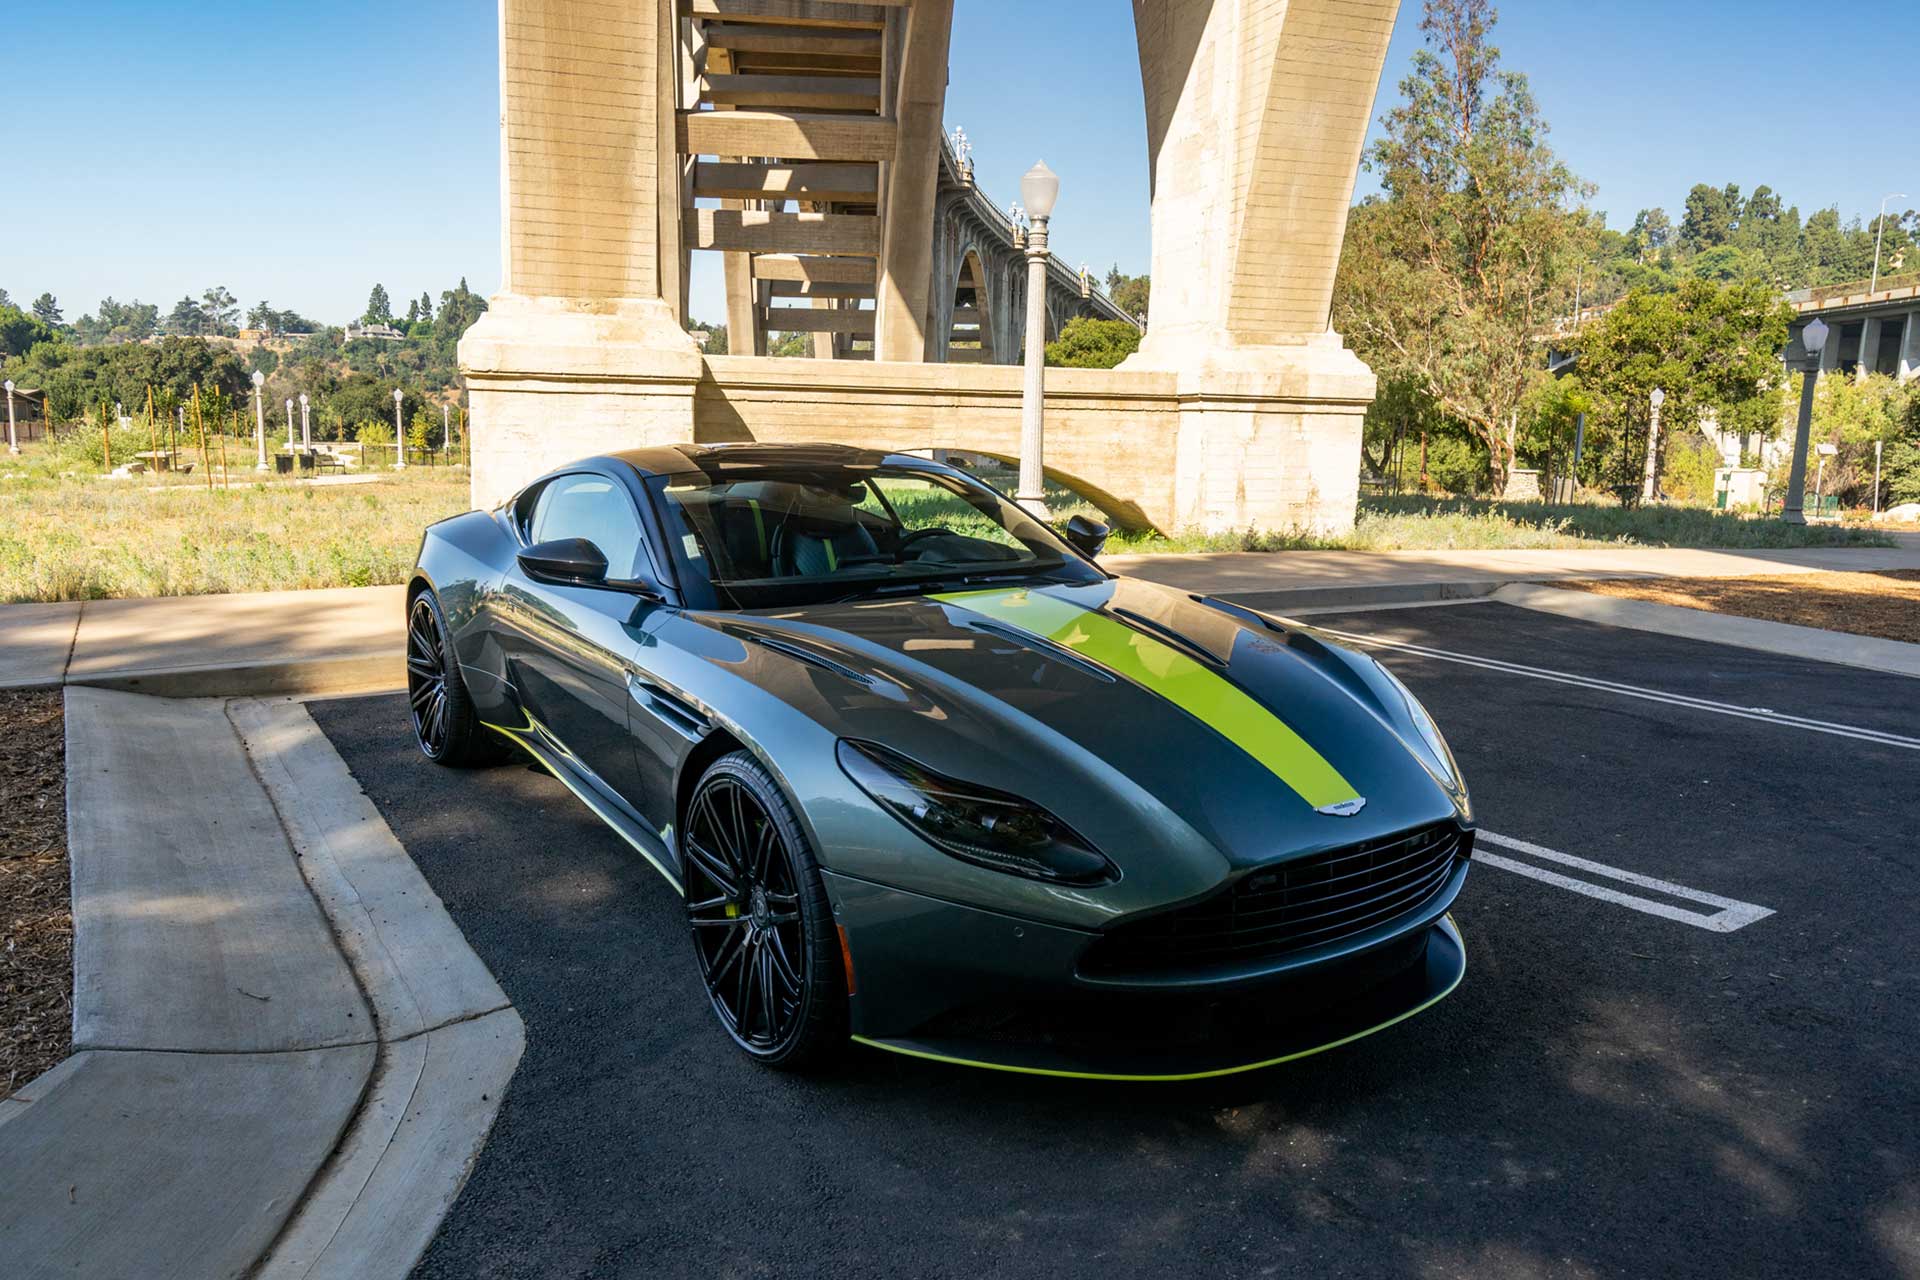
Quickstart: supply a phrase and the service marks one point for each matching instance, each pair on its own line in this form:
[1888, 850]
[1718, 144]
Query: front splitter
[1419, 989]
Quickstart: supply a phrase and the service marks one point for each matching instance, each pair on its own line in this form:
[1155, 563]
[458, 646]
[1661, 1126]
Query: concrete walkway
[349, 639]
[286, 1057]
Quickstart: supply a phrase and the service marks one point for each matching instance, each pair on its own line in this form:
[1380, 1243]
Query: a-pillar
[1256, 113]
[584, 348]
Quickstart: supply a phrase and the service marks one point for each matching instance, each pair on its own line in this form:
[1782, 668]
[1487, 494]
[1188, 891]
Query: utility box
[1735, 487]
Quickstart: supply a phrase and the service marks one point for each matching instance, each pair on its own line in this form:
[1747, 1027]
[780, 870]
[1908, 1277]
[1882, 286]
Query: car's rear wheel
[763, 930]
[445, 725]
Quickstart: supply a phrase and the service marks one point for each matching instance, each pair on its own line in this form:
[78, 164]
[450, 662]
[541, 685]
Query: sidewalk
[348, 639]
[258, 1086]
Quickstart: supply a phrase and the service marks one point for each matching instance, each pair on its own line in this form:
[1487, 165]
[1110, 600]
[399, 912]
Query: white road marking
[1763, 714]
[1731, 914]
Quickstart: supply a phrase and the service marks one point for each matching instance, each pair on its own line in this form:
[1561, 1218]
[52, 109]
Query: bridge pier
[632, 137]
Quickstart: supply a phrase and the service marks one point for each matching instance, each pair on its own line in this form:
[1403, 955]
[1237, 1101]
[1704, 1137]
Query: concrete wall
[1149, 453]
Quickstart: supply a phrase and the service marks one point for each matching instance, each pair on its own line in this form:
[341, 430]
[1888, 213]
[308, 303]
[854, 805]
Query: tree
[20, 332]
[1087, 343]
[426, 304]
[46, 309]
[1709, 220]
[1711, 348]
[1652, 232]
[221, 309]
[5, 301]
[459, 308]
[379, 307]
[1452, 273]
[1130, 293]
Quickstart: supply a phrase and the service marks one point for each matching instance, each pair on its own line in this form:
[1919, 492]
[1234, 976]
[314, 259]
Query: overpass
[802, 140]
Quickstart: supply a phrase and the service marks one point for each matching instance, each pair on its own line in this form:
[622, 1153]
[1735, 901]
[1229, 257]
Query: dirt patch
[36, 907]
[1885, 604]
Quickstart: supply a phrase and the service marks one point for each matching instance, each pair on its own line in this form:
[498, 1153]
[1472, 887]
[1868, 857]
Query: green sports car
[930, 780]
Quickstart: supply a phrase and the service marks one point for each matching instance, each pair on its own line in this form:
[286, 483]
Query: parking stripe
[1731, 914]
[1764, 715]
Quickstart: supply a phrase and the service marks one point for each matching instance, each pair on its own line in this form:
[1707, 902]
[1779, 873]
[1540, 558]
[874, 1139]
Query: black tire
[763, 931]
[445, 726]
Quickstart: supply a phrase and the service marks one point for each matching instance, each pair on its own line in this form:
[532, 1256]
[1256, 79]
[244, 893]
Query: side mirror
[571, 561]
[1088, 537]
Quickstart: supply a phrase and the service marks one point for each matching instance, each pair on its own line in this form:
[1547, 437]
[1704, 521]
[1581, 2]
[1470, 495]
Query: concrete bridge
[802, 140]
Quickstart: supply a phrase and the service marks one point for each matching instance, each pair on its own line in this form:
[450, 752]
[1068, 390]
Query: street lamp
[306, 426]
[289, 424]
[1814, 339]
[259, 421]
[13, 441]
[1657, 399]
[399, 434]
[1039, 188]
[446, 428]
[1879, 234]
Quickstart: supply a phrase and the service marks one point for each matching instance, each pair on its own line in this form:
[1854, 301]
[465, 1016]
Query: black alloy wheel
[445, 724]
[762, 928]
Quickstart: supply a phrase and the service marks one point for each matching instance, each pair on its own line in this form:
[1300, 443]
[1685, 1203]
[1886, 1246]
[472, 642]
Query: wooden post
[106, 436]
[153, 429]
[200, 425]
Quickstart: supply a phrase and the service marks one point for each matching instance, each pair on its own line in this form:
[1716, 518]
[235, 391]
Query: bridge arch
[970, 330]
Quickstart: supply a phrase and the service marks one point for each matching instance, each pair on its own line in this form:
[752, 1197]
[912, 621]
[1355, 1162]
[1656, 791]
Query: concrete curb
[363, 673]
[1782, 638]
[284, 1130]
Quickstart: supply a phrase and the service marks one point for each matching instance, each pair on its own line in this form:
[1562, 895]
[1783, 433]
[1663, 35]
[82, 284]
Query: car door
[573, 647]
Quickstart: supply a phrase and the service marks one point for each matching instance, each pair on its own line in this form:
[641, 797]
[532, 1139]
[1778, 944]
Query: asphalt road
[1609, 1093]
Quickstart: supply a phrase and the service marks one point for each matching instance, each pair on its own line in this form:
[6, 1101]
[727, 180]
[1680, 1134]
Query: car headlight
[973, 823]
[1430, 735]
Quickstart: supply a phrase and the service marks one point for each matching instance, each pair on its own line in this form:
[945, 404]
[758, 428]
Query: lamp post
[306, 426]
[1879, 234]
[259, 422]
[1040, 187]
[13, 441]
[399, 434]
[446, 428]
[1814, 339]
[289, 424]
[1657, 399]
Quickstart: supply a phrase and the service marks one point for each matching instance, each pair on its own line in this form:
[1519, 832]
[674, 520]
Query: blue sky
[298, 153]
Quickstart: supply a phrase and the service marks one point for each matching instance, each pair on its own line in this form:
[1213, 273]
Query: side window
[594, 508]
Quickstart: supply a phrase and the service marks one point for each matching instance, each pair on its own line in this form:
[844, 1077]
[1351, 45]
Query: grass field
[67, 534]
[80, 537]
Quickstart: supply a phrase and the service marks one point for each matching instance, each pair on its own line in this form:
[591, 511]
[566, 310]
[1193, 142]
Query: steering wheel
[900, 552]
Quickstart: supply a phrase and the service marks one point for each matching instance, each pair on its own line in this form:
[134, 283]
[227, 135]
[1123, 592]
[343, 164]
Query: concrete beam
[754, 37]
[800, 289]
[819, 320]
[823, 183]
[786, 266]
[802, 93]
[911, 181]
[756, 231]
[789, 135]
[795, 13]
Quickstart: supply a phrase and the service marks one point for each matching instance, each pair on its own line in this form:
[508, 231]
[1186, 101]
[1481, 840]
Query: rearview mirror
[574, 561]
[1088, 537]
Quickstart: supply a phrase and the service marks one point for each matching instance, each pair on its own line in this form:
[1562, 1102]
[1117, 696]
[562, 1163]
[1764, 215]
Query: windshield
[774, 535]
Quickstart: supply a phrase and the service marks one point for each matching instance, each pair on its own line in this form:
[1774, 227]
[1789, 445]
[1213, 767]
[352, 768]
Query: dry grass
[85, 538]
[36, 912]
[1886, 604]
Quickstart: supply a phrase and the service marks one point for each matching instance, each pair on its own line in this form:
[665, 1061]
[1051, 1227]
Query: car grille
[1309, 902]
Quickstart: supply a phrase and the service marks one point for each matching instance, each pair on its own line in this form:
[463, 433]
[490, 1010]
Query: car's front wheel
[445, 725]
[763, 930]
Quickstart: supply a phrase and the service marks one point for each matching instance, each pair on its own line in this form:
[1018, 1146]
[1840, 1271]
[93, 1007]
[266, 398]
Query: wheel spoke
[710, 867]
[742, 988]
[720, 922]
[710, 903]
[719, 971]
[763, 990]
[783, 966]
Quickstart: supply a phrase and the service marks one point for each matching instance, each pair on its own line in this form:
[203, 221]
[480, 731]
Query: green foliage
[379, 307]
[374, 431]
[1709, 347]
[46, 309]
[1086, 343]
[118, 322]
[423, 429]
[20, 332]
[1131, 293]
[1687, 475]
[1450, 275]
[1852, 414]
[78, 378]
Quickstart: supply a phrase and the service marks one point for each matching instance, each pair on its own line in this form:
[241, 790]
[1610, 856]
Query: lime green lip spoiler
[1163, 670]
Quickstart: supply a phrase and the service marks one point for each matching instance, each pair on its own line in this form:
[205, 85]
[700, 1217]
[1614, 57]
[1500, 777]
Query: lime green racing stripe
[1162, 669]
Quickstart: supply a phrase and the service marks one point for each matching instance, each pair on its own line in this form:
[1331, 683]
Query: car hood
[1120, 705]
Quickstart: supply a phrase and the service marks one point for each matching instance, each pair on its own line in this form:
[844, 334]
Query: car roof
[717, 459]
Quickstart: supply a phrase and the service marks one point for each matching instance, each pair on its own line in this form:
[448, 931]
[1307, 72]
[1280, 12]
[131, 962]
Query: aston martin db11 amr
[929, 779]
